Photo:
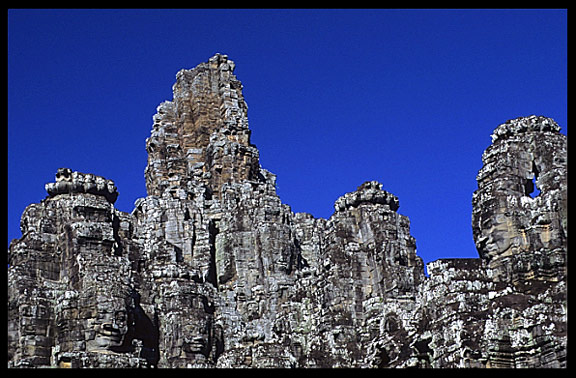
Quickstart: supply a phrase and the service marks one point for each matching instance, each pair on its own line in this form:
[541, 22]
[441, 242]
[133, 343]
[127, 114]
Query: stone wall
[211, 269]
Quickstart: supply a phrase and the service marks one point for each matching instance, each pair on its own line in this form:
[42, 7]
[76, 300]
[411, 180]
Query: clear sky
[335, 97]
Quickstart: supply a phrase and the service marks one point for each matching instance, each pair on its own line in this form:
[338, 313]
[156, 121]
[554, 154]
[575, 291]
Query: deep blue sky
[336, 98]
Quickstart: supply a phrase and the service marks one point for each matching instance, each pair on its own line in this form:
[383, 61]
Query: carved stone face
[500, 235]
[111, 325]
[496, 235]
[196, 334]
[196, 338]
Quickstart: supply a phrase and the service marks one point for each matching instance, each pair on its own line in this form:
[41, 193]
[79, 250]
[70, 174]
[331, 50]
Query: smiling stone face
[111, 331]
[110, 325]
[501, 235]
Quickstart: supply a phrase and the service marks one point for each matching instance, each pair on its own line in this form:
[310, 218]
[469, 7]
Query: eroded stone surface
[522, 233]
[211, 269]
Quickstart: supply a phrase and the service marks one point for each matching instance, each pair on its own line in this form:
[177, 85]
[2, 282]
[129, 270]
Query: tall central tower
[202, 134]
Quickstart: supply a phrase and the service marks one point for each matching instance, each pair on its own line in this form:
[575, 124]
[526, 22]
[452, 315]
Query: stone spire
[202, 134]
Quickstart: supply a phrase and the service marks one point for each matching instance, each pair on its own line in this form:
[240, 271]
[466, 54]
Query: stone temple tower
[520, 207]
[211, 269]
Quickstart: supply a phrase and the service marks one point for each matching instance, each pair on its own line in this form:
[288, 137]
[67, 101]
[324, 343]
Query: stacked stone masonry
[211, 269]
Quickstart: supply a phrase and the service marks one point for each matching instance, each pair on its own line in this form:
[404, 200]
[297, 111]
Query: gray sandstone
[211, 269]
